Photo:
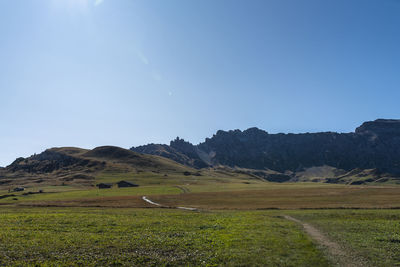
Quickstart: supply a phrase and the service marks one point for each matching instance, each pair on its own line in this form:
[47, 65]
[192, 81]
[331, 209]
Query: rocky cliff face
[374, 145]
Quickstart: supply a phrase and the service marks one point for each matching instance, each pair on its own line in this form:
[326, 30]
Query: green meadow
[170, 237]
[152, 237]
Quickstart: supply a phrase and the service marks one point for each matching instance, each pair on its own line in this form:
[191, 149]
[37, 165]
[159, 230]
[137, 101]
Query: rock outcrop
[179, 150]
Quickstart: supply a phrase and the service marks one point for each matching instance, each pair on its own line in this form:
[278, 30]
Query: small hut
[18, 189]
[104, 185]
[126, 184]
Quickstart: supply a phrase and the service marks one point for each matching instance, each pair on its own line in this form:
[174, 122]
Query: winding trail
[159, 205]
[151, 202]
[184, 189]
[335, 251]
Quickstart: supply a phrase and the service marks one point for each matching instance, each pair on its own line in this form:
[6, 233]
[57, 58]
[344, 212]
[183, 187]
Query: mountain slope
[67, 165]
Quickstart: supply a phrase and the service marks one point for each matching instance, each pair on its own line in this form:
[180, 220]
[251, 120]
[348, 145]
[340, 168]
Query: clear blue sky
[129, 72]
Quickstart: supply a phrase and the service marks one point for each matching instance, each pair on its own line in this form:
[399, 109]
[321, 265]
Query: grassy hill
[69, 166]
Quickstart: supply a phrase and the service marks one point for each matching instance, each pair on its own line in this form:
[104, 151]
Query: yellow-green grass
[167, 178]
[209, 181]
[289, 197]
[371, 234]
[152, 237]
[172, 186]
[215, 195]
[239, 185]
[91, 194]
[150, 184]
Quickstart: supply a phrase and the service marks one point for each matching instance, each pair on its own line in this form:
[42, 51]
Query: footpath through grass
[371, 234]
[152, 237]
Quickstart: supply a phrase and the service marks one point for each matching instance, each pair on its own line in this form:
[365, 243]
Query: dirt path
[158, 204]
[335, 252]
[184, 189]
[151, 202]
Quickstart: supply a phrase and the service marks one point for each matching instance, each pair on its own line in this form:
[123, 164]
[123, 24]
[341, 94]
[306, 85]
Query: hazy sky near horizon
[129, 72]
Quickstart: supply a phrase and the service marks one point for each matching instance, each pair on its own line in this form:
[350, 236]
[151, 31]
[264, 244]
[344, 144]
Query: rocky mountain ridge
[374, 145]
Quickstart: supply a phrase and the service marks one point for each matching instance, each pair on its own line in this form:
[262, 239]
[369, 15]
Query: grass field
[217, 196]
[168, 237]
[152, 237]
[289, 197]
